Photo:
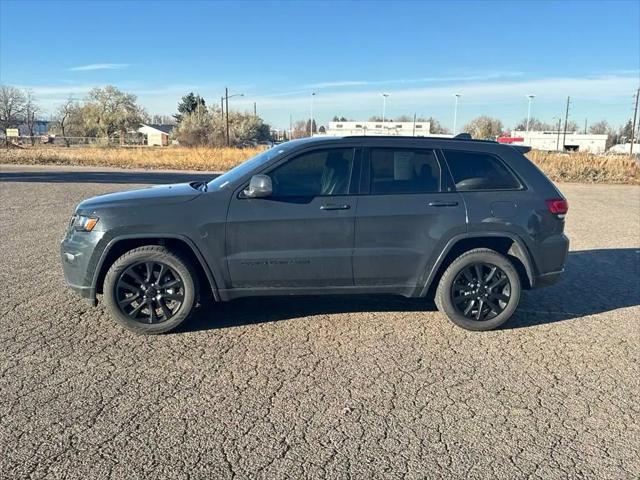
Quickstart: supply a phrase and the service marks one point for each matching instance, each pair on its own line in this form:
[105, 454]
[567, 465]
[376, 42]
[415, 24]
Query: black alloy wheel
[481, 291]
[149, 292]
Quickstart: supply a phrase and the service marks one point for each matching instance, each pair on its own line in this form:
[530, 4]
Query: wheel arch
[176, 243]
[509, 245]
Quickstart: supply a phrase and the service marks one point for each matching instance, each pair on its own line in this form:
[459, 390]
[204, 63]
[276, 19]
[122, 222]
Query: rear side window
[399, 170]
[479, 171]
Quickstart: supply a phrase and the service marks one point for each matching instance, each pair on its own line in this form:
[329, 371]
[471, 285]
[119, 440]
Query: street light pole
[226, 101]
[384, 106]
[455, 111]
[530, 97]
[313, 94]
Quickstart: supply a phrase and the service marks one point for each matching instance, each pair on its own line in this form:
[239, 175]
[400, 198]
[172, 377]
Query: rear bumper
[547, 279]
[551, 259]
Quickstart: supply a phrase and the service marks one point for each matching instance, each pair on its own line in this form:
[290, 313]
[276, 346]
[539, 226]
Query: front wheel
[150, 290]
[480, 290]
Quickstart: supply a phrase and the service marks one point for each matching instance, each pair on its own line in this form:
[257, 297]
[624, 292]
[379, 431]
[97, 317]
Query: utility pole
[585, 126]
[226, 99]
[414, 124]
[566, 118]
[633, 127]
[255, 112]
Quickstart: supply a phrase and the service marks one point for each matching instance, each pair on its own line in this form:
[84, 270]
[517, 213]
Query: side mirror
[259, 186]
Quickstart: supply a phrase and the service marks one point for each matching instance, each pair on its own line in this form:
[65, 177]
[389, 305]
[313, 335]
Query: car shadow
[595, 281]
[70, 176]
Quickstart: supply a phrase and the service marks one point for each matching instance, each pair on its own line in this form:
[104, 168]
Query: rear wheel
[480, 290]
[150, 290]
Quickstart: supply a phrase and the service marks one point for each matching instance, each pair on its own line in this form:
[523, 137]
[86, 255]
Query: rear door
[301, 235]
[407, 212]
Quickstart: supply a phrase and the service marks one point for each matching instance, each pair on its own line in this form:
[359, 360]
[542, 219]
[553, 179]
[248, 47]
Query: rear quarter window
[480, 171]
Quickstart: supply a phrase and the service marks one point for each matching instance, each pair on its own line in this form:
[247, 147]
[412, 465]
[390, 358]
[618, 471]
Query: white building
[156, 134]
[553, 140]
[409, 129]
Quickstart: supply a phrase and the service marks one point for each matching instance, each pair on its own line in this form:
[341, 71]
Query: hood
[157, 195]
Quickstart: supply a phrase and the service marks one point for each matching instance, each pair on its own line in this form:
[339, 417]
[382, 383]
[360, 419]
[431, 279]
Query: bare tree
[484, 128]
[300, 129]
[12, 106]
[65, 117]
[535, 125]
[31, 110]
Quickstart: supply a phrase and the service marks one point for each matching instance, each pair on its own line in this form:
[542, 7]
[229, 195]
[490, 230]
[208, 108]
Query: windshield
[241, 170]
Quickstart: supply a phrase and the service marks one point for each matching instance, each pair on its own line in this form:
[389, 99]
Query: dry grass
[574, 167]
[177, 158]
[587, 168]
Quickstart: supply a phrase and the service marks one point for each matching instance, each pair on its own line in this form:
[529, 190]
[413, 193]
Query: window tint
[404, 171]
[321, 172]
[479, 171]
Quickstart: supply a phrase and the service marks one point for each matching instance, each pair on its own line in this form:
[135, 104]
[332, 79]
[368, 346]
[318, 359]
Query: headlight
[83, 223]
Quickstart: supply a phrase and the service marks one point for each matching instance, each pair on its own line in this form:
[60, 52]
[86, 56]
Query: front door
[410, 210]
[301, 235]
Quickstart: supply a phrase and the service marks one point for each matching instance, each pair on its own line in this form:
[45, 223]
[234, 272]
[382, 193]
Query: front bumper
[79, 261]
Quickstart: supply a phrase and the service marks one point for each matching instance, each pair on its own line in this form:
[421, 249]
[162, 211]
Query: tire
[459, 290]
[152, 303]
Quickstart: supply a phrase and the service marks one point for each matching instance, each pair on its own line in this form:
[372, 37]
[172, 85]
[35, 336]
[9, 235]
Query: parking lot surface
[325, 387]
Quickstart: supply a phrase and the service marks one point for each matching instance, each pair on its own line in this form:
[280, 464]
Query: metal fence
[129, 140]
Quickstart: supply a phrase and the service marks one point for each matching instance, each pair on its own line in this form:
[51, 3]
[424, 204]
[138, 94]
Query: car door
[302, 234]
[407, 212]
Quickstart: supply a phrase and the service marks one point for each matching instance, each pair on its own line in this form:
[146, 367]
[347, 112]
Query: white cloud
[401, 81]
[99, 66]
[599, 88]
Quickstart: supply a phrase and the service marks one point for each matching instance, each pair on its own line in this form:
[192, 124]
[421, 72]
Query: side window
[479, 171]
[321, 172]
[401, 170]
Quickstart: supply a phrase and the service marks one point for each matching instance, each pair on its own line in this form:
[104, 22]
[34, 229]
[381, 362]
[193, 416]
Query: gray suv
[472, 223]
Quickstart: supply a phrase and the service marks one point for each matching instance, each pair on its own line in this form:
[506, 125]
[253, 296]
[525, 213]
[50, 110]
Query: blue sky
[277, 53]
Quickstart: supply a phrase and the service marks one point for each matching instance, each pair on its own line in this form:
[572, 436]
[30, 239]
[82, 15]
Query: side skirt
[403, 290]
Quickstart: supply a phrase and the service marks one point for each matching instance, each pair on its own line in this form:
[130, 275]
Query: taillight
[558, 206]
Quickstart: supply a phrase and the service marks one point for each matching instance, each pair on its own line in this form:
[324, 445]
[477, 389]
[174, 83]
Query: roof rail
[458, 137]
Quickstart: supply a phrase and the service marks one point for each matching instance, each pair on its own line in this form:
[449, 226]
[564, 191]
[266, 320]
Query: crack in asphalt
[328, 387]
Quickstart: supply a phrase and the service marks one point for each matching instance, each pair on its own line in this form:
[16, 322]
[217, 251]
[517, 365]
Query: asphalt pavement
[317, 387]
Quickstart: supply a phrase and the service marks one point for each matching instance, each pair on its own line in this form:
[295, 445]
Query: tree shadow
[70, 176]
[595, 281]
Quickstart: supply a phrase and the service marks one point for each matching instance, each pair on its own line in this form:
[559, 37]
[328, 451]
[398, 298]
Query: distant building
[553, 140]
[40, 127]
[156, 134]
[409, 129]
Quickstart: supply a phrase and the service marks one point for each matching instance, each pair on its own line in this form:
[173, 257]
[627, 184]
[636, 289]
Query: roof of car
[462, 140]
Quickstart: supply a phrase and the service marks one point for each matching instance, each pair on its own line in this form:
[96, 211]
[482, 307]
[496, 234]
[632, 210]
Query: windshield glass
[241, 170]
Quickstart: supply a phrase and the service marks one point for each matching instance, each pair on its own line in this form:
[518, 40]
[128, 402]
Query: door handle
[443, 204]
[333, 206]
